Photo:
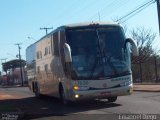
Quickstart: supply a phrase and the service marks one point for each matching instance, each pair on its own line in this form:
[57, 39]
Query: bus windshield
[98, 53]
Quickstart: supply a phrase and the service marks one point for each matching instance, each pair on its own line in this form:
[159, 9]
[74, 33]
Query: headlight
[76, 96]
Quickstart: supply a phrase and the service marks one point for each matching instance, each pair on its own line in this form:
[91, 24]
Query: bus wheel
[112, 99]
[37, 91]
[63, 96]
[33, 87]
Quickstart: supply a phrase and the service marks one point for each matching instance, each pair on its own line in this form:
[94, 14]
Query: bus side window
[46, 68]
[52, 46]
[38, 69]
[55, 44]
[62, 41]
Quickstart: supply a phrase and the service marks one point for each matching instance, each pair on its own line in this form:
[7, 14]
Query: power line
[117, 7]
[72, 13]
[111, 5]
[108, 5]
[135, 11]
[59, 17]
[84, 5]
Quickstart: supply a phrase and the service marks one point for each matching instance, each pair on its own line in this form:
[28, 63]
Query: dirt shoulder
[147, 87]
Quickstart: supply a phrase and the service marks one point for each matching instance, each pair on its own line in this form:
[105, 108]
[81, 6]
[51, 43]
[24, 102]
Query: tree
[144, 39]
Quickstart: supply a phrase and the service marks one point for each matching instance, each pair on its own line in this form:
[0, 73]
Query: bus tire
[33, 86]
[37, 91]
[62, 95]
[112, 99]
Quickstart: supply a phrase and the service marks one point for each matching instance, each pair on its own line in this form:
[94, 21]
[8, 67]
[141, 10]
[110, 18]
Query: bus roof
[74, 25]
[90, 24]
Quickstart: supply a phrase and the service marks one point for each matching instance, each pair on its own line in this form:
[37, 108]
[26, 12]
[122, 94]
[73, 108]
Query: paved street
[22, 101]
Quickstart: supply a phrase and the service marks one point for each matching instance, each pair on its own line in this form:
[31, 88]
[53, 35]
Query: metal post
[158, 11]
[20, 62]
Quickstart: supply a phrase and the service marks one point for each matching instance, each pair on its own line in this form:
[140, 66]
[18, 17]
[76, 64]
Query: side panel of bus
[49, 64]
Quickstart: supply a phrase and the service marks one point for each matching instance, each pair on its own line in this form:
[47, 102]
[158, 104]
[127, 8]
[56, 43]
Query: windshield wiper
[99, 56]
[102, 55]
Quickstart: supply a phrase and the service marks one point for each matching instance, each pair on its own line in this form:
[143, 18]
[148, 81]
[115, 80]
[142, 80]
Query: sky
[20, 19]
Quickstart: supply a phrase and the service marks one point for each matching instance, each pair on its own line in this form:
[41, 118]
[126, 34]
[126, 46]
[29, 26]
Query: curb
[146, 90]
[146, 83]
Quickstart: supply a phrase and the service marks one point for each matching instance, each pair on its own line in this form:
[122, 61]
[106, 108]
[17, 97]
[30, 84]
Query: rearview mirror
[67, 53]
[134, 47]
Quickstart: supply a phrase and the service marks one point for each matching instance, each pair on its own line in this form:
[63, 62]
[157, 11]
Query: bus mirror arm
[134, 47]
[67, 53]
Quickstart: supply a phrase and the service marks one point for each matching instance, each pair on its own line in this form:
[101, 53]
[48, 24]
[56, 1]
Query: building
[13, 73]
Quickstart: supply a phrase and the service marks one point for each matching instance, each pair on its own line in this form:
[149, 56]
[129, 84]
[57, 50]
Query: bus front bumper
[102, 94]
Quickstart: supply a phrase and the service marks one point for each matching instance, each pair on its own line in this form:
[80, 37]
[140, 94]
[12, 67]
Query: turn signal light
[75, 87]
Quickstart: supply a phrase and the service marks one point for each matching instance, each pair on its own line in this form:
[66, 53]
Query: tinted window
[55, 44]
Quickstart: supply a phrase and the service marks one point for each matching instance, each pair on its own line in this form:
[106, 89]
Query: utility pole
[158, 11]
[20, 61]
[45, 28]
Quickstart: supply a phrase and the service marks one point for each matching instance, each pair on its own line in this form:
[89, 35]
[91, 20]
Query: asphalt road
[20, 101]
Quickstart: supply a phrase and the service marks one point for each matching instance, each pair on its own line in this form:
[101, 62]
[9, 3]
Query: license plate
[105, 93]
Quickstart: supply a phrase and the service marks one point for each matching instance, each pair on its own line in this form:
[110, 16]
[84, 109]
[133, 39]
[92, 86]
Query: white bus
[82, 61]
